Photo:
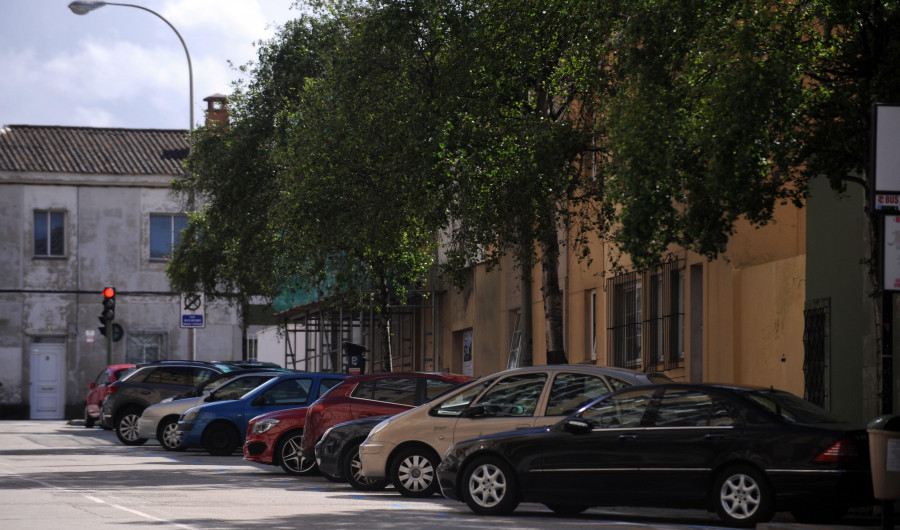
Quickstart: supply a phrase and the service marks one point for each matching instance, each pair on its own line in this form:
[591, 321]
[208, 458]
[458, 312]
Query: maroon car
[368, 395]
[98, 391]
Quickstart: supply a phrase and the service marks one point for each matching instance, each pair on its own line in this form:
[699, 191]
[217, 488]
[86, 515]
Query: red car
[98, 391]
[275, 438]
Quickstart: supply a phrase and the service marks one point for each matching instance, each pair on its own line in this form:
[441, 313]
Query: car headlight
[264, 425]
[378, 428]
[191, 415]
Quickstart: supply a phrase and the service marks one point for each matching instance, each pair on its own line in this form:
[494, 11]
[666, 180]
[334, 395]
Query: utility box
[884, 451]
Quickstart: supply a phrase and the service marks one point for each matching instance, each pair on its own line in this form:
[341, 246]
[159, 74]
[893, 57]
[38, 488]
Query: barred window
[645, 318]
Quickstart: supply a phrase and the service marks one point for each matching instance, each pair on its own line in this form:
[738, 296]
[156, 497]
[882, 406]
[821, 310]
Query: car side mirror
[91, 385]
[577, 426]
[472, 411]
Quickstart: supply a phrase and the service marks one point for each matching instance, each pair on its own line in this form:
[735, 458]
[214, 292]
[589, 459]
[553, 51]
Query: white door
[47, 368]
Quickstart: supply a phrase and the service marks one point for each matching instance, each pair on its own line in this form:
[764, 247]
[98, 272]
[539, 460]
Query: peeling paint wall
[107, 240]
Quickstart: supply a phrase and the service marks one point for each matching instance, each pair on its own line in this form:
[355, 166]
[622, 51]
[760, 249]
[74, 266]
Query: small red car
[98, 391]
[275, 438]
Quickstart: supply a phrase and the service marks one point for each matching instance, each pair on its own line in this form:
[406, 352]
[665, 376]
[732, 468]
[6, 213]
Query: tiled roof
[89, 150]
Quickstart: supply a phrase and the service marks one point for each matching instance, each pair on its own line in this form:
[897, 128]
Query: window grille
[645, 318]
[816, 351]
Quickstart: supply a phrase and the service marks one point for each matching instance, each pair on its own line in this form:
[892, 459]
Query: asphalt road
[56, 475]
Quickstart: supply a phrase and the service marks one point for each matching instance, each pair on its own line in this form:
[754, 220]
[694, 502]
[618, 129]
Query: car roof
[382, 375]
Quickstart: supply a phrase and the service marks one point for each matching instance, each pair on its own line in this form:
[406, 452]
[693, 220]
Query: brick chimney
[216, 110]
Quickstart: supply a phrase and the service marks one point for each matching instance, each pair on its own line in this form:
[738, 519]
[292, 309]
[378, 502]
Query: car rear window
[400, 390]
[791, 407]
[170, 375]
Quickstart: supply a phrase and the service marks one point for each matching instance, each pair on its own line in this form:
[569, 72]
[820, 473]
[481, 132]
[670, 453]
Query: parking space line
[99, 500]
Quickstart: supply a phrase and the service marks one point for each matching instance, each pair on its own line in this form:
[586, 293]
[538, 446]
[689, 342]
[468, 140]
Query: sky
[120, 66]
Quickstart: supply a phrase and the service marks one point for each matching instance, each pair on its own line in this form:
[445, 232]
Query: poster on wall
[891, 248]
[467, 353]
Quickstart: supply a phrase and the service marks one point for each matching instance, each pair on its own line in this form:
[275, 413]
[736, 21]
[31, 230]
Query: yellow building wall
[752, 323]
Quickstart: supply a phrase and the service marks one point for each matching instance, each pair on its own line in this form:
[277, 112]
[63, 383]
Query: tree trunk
[526, 349]
[553, 304]
[384, 304]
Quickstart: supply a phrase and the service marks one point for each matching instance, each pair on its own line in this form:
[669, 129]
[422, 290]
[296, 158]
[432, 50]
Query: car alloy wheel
[127, 428]
[414, 474]
[742, 497]
[352, 470]
[168, 435]
[291, 458]
[488, 487]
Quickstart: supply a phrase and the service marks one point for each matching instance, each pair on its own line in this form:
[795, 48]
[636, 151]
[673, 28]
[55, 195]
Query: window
[646, 315]
[516, 395]
[170, 375]
[144, 347]
[327, 384]
[251, 349]
[289, 392]
[456, 404]
[49, 233]
[165, 233]
[401, 390]
[236, 388]
[515, 341]
[570, 392]
[621, 411]
[436, 387]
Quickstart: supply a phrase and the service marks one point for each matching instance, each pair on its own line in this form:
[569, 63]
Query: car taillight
[111, 388]
[841, 451]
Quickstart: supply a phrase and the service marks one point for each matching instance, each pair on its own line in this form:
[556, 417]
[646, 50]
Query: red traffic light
[109, 292]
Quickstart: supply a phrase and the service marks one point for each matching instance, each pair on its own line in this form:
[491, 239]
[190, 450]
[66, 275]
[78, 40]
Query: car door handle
[715, 436]
[629, 436]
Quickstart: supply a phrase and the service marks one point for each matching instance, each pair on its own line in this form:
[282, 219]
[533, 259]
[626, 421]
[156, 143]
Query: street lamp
[85, 7]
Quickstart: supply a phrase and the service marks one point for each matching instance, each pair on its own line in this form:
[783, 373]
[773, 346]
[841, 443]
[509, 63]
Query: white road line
[100, 501]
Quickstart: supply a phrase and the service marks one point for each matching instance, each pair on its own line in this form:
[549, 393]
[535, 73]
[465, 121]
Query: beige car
[408, 447]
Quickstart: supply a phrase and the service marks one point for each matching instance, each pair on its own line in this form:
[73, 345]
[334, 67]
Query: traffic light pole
[109, 341]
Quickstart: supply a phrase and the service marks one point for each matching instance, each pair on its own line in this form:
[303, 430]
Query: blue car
[220, 427]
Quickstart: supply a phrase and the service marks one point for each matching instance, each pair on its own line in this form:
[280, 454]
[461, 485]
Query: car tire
[126, 426]
[88, 419]
[742, 497]
[168, 436]
[221, 439]
[351, 470]
[414, 472]
[488, 486]
[566, 510]
[290, 458]
[333, 478]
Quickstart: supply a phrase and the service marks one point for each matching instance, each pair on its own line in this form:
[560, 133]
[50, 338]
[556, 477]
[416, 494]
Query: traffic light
[109, 305]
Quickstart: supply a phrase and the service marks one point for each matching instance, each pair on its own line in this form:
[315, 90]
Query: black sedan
[739, 451]
[337, 454]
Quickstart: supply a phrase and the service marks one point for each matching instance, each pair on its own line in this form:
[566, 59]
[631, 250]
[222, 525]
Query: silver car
[160, 421]
[407, 448]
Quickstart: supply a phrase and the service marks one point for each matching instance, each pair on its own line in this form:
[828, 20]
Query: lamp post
[85, 7]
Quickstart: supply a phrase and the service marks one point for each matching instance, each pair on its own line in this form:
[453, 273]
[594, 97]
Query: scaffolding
[315, 335]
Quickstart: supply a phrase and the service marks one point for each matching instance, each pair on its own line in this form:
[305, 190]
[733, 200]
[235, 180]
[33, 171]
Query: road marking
[100, 501]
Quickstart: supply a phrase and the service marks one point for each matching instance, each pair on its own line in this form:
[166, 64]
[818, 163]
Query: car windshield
[791, 407]
[238, 387]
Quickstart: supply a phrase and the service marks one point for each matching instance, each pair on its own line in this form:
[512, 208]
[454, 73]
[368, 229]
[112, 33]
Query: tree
[520, 131]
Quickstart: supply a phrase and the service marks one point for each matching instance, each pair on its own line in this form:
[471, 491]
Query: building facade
[82, 209]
